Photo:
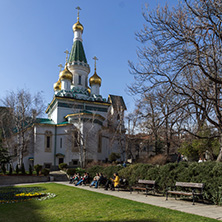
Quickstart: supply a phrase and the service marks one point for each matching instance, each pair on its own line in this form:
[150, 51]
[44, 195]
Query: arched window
[48, 141]
[60, 142]
[99, 143]
[80, 80]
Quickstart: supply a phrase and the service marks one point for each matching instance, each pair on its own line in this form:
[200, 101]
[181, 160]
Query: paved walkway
[200, 209]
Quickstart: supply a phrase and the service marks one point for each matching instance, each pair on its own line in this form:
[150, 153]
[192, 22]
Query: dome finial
[60, 66]
[67, 54]
[77, 25]
[95, 58]
[78, 8]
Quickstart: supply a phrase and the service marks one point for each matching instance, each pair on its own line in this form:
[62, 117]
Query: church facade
[82, 126]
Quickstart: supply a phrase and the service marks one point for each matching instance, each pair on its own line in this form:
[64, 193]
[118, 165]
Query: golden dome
[89, 90]
[95, 79]
[65, 74]
[57, 85]
[77, 26]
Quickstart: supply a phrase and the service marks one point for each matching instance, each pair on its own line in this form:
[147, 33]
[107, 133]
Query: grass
[73, 204]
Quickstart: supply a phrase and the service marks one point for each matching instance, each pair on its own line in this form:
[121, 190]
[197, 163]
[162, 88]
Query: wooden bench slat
[152, 182]
[180, 193]
[189, 185]
[139, 188]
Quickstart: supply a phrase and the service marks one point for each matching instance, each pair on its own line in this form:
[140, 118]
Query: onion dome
[77, 26]
[95, 79]
[88, 90]
[57, 85]
[65, 74]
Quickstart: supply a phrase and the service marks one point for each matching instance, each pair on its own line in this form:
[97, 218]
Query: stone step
[58, 176]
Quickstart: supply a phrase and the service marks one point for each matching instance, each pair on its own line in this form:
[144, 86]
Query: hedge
[106, 171]
[209, 173]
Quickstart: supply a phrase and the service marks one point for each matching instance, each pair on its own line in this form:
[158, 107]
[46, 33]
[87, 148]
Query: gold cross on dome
[78, 8]
[67, 54]
[95, 58]
[60, 66]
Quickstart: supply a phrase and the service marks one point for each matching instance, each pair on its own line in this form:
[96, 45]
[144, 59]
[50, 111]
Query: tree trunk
[219, 158]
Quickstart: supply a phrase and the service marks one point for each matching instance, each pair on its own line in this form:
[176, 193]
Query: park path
[201, 209]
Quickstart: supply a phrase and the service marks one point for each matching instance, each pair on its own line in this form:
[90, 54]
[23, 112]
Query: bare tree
[81, 135]
[132, 128]
[116, 128]
[182, 51]
[22, 110]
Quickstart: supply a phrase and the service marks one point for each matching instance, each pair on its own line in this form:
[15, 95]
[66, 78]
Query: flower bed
[14, 194]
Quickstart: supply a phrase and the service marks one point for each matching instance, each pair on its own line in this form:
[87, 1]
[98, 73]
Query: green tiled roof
[48, 121]
[84, 111]
[65, 122]
[44, 121]
[77, 52]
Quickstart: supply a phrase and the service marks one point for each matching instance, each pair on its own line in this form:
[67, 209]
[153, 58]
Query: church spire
[77, 63]
[77, 52]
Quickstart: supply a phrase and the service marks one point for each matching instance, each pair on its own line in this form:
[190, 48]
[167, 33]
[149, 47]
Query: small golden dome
[57, 85]
[89, 90]
[95, 79]
[77, 26]
[65, 74]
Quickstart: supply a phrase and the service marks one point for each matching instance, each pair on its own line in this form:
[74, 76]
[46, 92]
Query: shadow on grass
[139, 220]
[22, 209]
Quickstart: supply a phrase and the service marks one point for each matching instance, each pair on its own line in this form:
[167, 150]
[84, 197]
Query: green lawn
[73, 204]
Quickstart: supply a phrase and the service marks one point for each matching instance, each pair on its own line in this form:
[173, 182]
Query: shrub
[38, 168]
[110, 170]
[30, 169]
[17, 169]
[135, 172]
[62, 166]
[71, 171]
[45, 171]
[23, 168]
[3, 168]
[10, 169]
[95, 169]
[80, 171]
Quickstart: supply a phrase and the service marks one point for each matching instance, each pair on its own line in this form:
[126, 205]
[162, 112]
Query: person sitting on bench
[83, 180]
[95, 180]
[113, 182]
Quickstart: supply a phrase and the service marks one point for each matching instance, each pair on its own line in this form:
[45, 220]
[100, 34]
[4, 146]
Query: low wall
[10, 180]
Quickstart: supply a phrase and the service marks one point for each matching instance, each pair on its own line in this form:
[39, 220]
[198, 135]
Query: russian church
[82, 126]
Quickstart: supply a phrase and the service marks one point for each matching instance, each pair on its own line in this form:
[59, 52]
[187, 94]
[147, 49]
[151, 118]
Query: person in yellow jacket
[113, 182]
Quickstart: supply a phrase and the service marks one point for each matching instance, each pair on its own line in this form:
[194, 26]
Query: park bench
[187, 189]
[144, 185]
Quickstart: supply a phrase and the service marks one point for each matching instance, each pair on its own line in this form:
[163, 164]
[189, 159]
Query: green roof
[77, 52]
[48, 121]
[44, 121]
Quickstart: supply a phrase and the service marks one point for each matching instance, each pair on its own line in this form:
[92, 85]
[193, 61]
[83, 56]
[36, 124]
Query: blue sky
[35, 34]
